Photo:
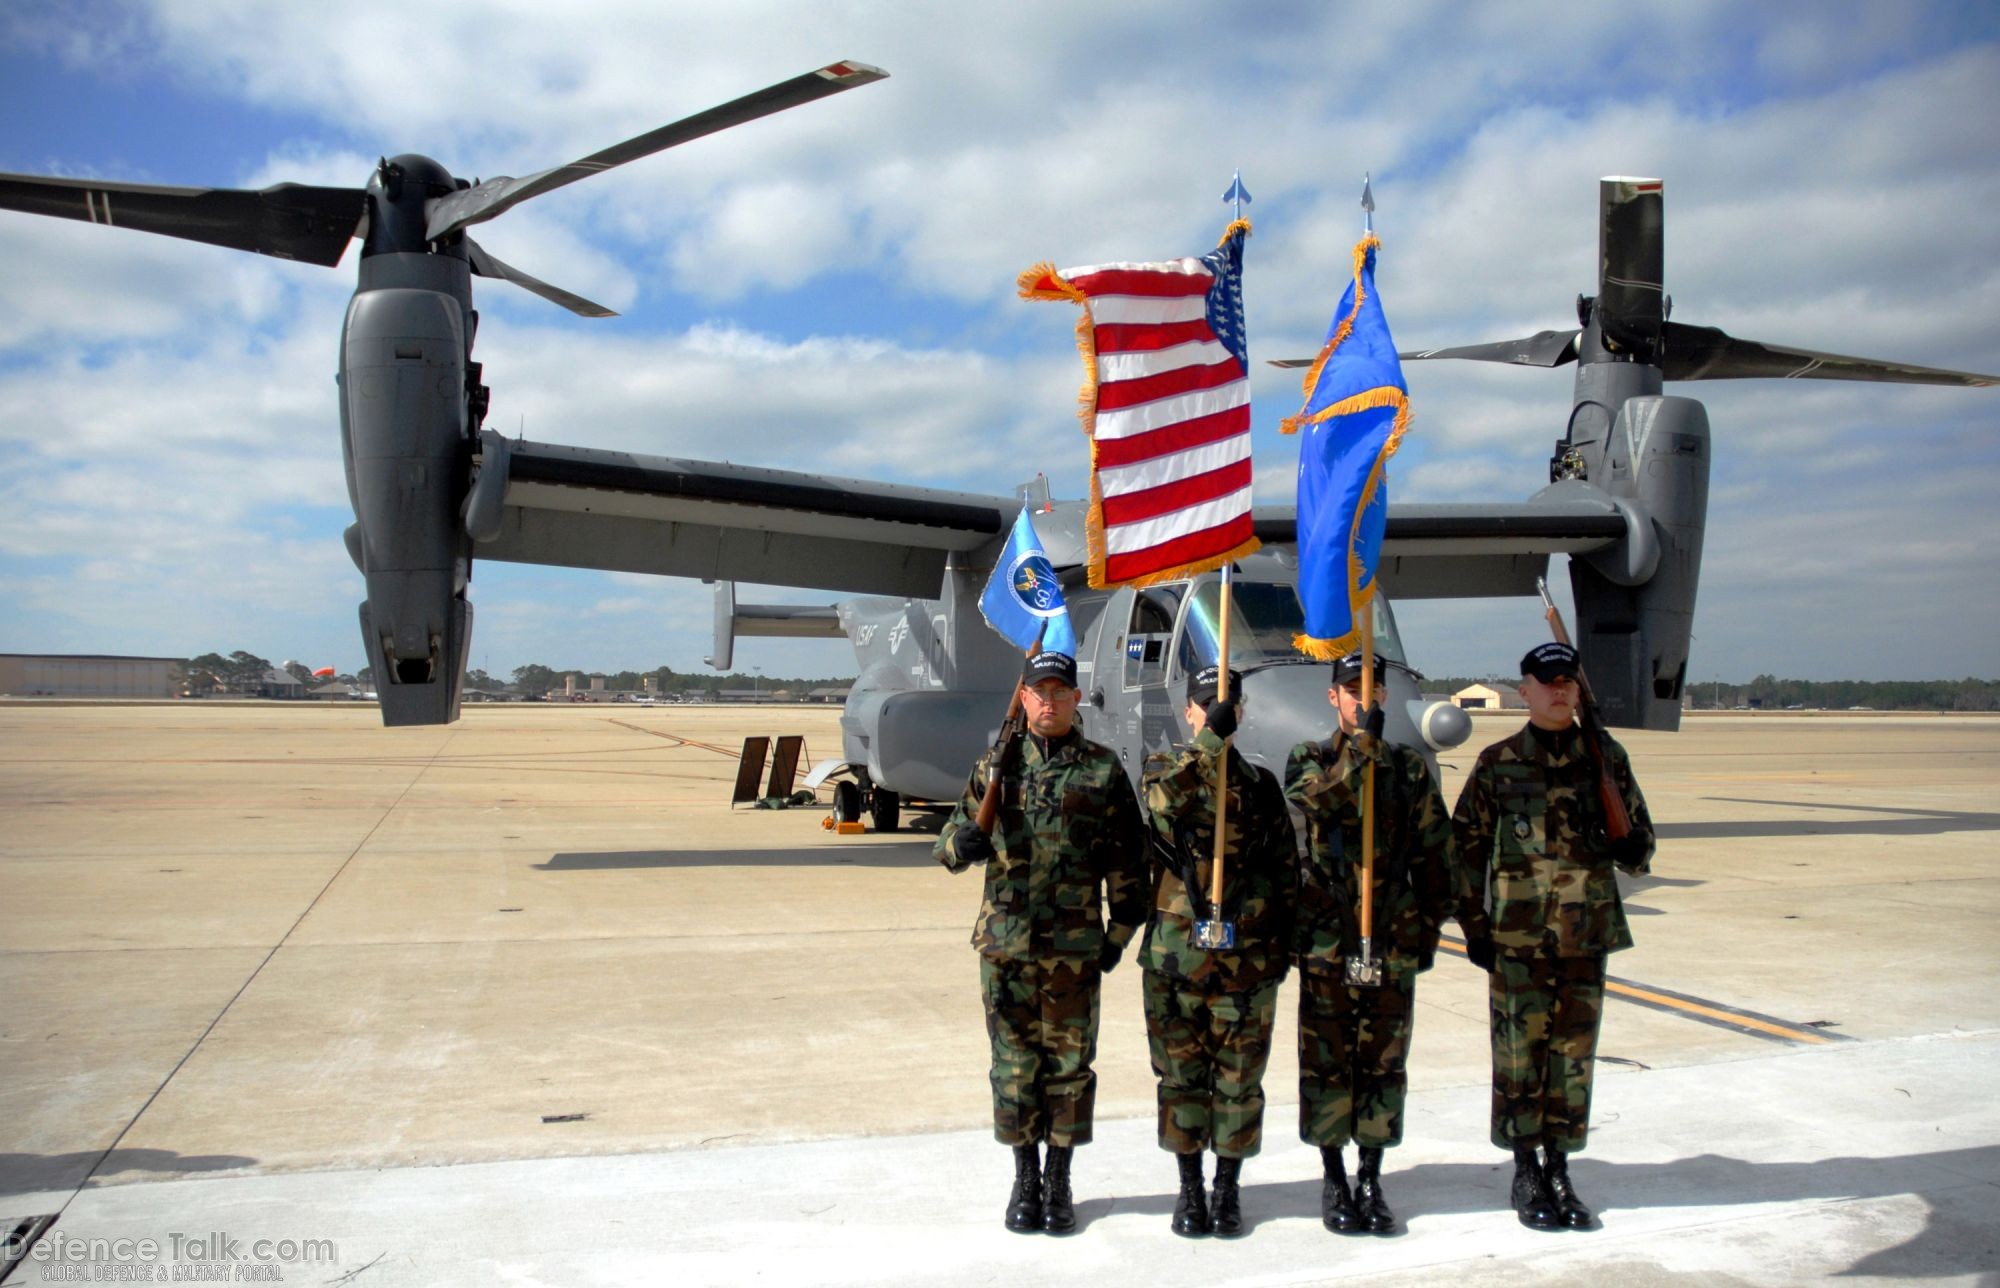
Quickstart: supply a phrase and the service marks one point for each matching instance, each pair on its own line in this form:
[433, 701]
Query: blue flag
[1023, 599]
[1356, 412]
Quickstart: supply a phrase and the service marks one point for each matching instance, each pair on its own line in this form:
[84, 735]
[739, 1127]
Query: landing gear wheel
[846, 802]
[885, 809]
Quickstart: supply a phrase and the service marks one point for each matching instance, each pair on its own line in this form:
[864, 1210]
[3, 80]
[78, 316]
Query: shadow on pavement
[1958, 1186]
[913, 853]
[1908, 822]
[30, 1173]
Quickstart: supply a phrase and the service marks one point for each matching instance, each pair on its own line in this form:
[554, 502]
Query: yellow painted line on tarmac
[1704, 1010]
[1728, 1018]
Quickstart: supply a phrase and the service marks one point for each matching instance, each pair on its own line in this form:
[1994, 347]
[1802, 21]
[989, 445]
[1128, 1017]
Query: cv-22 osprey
[434, 492]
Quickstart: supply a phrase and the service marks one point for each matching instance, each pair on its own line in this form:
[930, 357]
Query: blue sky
[831, 289]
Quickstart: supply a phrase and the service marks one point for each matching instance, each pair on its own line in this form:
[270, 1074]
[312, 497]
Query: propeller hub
[399, 192]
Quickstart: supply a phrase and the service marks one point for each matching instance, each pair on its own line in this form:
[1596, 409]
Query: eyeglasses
[1054, 698]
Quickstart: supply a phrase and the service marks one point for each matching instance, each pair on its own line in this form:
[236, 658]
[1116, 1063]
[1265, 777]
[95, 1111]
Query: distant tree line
[242, 671]
[535, 678]
[1768, 693]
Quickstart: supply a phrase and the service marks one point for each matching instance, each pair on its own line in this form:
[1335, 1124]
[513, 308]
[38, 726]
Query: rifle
[1006, 746]
[1617, 821]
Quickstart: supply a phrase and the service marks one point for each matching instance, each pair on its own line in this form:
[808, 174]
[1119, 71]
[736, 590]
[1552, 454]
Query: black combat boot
[1024, 1202]
[1225, 1207]
[1376, 1218]
[1191, 1208]
[1336, 1205]
[1058, 1213]
[1571, 1209]
[1531, 1192]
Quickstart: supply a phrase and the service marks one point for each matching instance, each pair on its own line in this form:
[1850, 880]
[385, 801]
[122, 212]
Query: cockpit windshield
[1263, 618]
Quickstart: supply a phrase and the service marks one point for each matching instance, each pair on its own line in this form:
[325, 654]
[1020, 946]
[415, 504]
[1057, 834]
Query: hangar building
[88, 675]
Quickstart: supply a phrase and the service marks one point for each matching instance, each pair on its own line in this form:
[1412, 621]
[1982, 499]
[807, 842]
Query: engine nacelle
[403, 394]
[1634, 637]
[921, 742]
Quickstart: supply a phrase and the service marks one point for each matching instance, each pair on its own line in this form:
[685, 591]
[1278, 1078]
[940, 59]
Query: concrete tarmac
[523, 1000]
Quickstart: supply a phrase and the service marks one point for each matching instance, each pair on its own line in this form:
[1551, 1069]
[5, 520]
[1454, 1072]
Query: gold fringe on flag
[1045, 282]
[1292, 424]
[1178, 573]
[1359, 599]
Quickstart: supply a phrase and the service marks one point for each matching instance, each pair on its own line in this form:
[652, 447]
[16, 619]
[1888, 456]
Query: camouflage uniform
[1068, 828]
[1209, 1013]
[1354, 1042]
[1530, 829]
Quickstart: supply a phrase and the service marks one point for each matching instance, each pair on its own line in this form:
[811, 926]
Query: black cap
[1050, 666]
[1206, 682]
[1549, 661]
[1348, 669]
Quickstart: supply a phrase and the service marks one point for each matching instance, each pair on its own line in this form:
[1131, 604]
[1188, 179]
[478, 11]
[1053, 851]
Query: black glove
[971, 845]
[1372, 723]
[1107, 956]
[1224, 716]
[1480, 953]
[1630, 848]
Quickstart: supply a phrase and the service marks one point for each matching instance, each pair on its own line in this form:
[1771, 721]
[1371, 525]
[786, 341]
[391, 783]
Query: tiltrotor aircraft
[433, 491]
[427, 484]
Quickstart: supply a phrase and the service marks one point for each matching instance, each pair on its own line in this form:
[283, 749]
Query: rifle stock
[1617, 819]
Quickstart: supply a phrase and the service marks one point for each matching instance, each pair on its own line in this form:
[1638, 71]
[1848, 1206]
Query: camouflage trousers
[1209, 1052]
[1042, 1019]
[1353, 1046]
[1545, 1013]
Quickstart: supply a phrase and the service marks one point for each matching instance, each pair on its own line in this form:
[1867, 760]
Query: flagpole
[1221, 764]
[1367, 782]
[1363, 970]
[1237, 194]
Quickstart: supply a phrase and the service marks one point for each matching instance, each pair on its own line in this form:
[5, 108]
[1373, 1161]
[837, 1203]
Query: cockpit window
[1152, 628]
[1264, 616]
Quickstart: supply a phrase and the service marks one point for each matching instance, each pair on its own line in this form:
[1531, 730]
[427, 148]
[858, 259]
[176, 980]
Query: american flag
[1166, 402]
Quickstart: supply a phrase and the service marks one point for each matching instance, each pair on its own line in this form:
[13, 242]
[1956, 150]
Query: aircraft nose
[1283, 707]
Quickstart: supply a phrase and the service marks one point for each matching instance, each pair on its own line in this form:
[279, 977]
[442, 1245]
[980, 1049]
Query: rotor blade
[286, 220]
[487, 264]
[1705, 353]
[1631, 302]
[474, 205]
[1542, 349]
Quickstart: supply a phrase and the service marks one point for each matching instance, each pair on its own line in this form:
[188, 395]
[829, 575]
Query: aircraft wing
[1477, 549]
[580, 507]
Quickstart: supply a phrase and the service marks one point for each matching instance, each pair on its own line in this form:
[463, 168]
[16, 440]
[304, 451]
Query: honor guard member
[1068, 845]
[1354, 1041]
[1209, 1010]
[1540, 912]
